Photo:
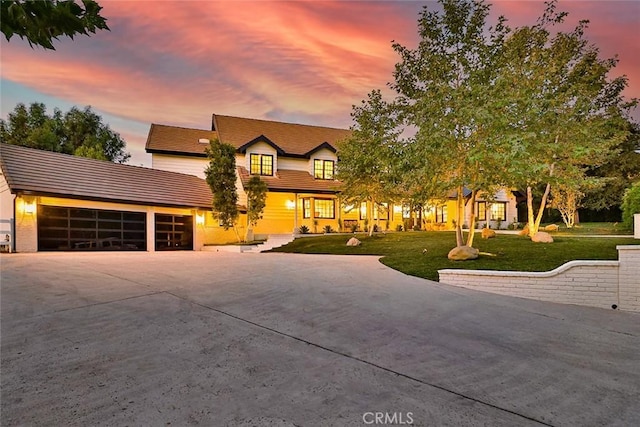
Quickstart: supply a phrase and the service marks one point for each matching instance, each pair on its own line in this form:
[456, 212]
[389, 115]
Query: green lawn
[405, 251]
[612, 228]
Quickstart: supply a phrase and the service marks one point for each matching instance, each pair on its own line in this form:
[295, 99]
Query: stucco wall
[591, 283]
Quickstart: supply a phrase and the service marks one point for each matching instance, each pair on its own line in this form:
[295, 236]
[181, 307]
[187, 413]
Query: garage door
[174, 232]
[78, 229]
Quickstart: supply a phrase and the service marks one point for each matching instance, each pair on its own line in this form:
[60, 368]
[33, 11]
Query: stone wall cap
[554, 272]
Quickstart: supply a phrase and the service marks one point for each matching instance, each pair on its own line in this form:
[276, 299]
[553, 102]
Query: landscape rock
[542, 237]
[353, 242]
[524, 231]
[463, 253]
[551, 227]
[488, 233]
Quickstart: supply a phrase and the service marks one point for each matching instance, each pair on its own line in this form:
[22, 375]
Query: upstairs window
[261, 164]
[323, 169]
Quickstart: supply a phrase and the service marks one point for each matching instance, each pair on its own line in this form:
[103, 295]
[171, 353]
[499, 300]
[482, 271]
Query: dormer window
[261, 164]
[323, 169]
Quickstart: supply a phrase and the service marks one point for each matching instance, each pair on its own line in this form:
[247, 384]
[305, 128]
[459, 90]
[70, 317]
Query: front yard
[422, 254]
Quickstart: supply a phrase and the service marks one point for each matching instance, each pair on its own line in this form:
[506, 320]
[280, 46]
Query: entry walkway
[282, 340]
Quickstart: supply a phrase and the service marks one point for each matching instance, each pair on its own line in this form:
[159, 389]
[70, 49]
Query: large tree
[445, 93]
[256, 190]
[369, 158]
[220, 174]
[564, 114]
[78, 132]
[42, 21]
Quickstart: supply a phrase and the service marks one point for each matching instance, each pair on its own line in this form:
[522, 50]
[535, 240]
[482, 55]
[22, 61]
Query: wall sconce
[199, 218]
[29, 205]
[290, 204]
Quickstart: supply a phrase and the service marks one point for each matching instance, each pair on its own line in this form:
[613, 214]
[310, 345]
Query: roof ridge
[180, 127]
[280, 122]
[85, 159]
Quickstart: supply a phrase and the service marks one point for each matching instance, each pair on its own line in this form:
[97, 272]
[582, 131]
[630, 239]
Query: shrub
[630, 204]
[399, 227]
[354, 227]
[327, 229]
[303, 229]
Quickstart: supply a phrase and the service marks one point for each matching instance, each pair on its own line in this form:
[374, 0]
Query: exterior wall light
[290, 204]
[199, 218]
[29, 205]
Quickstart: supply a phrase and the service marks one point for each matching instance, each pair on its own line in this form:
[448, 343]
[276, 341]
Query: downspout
[13, 225]
[295, 213]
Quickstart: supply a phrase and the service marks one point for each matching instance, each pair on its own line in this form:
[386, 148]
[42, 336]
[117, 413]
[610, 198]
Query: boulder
[488, 233]
[542, 237]
[353, 242]
[524, 231]
[551, 227]
[463, 253]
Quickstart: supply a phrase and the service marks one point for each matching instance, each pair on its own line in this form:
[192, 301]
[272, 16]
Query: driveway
[203, 338]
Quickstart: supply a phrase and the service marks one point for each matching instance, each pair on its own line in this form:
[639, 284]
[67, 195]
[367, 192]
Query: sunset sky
[177, 62]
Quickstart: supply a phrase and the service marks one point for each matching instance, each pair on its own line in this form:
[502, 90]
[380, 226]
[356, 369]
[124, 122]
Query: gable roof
[41, 172]
[287, 180]
[261, 138]
[294, 140]
[178, 140]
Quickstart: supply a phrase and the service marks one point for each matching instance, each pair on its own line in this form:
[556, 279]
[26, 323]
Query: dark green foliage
[631, 204]
[221, 177]
[327, 229]
[78, 132]
[406, 251]
[256, 190]
[303, 229]
[42, 21]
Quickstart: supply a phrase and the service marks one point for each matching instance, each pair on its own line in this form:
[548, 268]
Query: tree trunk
[472, 219]
[370, 215]
[543, 204]
[530, 217]
[460, 215]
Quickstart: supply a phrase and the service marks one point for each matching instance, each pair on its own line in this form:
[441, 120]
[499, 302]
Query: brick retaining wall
[592, 283]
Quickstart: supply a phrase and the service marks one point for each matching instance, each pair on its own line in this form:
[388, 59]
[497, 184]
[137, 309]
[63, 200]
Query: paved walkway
[309, 340]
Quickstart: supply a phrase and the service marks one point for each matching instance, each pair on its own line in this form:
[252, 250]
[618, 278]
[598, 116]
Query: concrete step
[273, 241]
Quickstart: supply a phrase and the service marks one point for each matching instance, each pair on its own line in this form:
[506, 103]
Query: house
[52, 201]
[298, 163]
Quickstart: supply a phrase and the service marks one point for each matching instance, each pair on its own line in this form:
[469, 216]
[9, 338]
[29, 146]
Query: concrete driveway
[201, 338]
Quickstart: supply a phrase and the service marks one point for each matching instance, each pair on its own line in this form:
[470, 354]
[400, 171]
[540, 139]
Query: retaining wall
[602, 284]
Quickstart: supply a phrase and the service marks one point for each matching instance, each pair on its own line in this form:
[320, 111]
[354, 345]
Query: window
[306, 208]
[323, 169]
[481, 211]
[261, 164]
[324, 208]
[441, 214]
[363, 210]
[381, 211]
[406, 211]
[499, 211]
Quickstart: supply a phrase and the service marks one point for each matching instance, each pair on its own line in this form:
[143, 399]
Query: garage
[78, 229]
[174, 232]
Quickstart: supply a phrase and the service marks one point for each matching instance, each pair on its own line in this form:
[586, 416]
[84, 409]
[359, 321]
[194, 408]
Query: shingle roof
[179, 140]
[46, 173]
[293, 181]
[293, 139]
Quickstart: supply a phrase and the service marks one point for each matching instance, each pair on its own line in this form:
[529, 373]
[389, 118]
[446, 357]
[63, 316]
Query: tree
[617, 173]
[369, 158]
[256, 190]
[220, 174]
[445, 91]
[564, 113]
[78, 132]
[42, 21]
[630, 204]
